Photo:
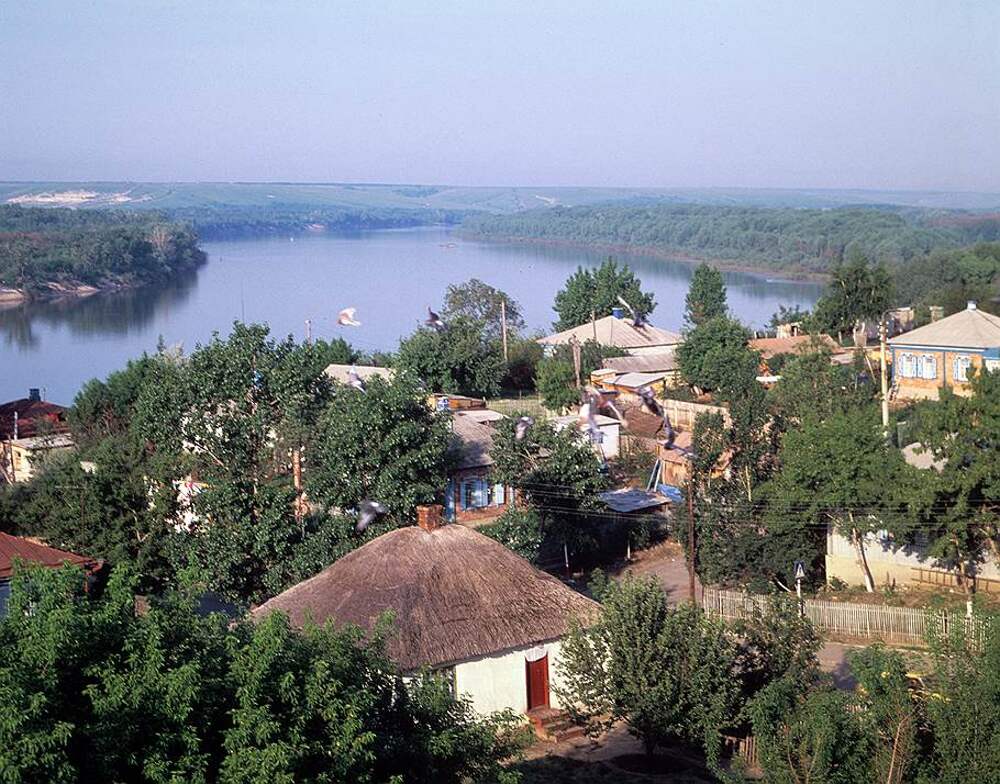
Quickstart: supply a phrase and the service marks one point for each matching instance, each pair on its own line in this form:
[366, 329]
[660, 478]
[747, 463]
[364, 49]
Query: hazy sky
[868, 94]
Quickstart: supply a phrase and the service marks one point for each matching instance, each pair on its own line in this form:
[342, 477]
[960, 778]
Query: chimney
[937, 312]
[617, 313]
[970, 305]
[430, 517]
[35, 395]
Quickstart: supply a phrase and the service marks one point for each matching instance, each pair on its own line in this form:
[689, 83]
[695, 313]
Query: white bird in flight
[346, 318]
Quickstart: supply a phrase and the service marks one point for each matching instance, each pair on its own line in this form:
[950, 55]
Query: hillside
[784, 239]
[58, 251]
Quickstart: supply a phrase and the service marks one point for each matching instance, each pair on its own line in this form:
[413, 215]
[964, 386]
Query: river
[390, 276]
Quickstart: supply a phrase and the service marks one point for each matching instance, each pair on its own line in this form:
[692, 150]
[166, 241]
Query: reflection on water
[390, 276]
[106, 313]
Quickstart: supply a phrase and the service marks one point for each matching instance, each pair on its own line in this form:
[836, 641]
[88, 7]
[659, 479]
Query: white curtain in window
[930, 367]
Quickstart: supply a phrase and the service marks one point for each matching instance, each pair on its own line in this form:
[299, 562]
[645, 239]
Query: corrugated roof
[643, 363]
[611, 331]
[55, 441]
[636, 380]
[797, 344]
[456, 594]
[17, 548]
[471, 442]
[33, 417]
[341, 372]
[632, 499]
[969, 328]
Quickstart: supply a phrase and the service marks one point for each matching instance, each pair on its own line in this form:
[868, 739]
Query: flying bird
[346, 318]
[368, 512]
[587, 421]
[354, 380]
[649, 403]
[521, 428]
[637, 320]
[434, 320]
[668, 430]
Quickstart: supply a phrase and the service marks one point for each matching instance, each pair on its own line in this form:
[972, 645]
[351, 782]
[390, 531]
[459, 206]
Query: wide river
[389, 276]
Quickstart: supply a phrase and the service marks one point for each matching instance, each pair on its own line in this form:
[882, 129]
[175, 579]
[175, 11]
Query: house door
[537, 675]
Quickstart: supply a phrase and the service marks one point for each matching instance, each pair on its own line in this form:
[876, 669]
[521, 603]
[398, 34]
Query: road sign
[800, 570]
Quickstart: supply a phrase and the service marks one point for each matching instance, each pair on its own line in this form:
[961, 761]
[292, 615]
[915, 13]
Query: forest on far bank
[784, 239]
[42, 250]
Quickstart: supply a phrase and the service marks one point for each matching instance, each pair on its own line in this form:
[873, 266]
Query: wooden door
[537, 675]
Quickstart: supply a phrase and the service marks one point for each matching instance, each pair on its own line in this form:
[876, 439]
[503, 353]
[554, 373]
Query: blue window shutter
[464, 495]
[480, 493]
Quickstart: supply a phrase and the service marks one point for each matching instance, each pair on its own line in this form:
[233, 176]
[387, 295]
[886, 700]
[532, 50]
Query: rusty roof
[17, 548]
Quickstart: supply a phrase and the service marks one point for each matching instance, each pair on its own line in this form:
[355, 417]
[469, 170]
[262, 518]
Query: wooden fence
[529, 403]
[900, 625]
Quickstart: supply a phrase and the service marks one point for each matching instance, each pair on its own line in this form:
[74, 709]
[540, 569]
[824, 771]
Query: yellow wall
[926, 388]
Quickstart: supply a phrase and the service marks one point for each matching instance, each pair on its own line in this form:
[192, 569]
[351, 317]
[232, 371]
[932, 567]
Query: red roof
[13, 548]
[34, 417]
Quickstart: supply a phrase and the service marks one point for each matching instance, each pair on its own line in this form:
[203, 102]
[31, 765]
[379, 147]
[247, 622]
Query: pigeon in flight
[587, 421]
[521, 428]
[368, 512]
[637, 320]
[649, 402]
[346, 318]
[434, 320]
[354, 380]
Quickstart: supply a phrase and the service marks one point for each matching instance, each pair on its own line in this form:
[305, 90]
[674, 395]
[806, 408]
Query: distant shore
[655, 252]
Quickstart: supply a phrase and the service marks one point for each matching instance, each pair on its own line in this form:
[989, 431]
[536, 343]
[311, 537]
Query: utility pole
[575, 345]
[309, 331]
[593, 323]
[691, 539]
[503, 326]
[884, 376]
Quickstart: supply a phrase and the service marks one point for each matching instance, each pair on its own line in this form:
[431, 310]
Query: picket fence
[900, 625]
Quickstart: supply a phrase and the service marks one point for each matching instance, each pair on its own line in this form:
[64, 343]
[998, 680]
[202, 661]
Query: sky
[840, 94]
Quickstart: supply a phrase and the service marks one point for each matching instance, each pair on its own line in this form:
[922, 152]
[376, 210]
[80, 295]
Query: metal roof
[970, 328]
[632, 499]
[612, 331]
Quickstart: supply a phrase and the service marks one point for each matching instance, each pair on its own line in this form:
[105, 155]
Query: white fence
[900, 625]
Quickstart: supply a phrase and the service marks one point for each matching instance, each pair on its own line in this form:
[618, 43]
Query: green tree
[811, 385]
[519, 530]
[595, 292]
[706, 297]
[461, 359]
[92, 691]
[384, 444]
[481, 302]
[957, 504]
[715, 353]
[666, 672]
[839, 471]
[859, 291]
[556, 383]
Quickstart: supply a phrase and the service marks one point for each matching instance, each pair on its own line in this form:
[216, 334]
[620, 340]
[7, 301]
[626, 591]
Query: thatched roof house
[462, 603]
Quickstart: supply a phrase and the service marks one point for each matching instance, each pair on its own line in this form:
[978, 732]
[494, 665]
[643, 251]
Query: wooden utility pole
[297, 483]
[503, 326]
[593, 323]
[575, 345]
[309, 331]
[885, 377]
[691, 540]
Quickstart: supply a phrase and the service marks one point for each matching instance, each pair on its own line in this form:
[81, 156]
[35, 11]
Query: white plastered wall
[498, 681]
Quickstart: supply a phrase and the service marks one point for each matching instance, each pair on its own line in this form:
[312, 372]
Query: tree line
[73, 247]
[796, 240]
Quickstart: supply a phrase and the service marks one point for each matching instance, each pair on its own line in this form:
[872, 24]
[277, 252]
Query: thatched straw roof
[456, 594]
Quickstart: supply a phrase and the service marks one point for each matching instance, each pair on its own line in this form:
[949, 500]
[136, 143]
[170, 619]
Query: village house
[945, 353]
[797, 345]
[618, 332]
[472, 497]
[31, 429]
[903, 563]
[15, 549]
[465, 607]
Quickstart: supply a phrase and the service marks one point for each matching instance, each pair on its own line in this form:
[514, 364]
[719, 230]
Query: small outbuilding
[465, 606]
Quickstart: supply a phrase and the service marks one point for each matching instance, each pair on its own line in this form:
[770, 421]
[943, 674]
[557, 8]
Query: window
[960, 367]
[907, 365]
[929, 367]
[478, 493]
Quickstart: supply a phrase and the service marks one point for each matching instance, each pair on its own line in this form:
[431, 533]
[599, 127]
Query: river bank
[654, 252]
